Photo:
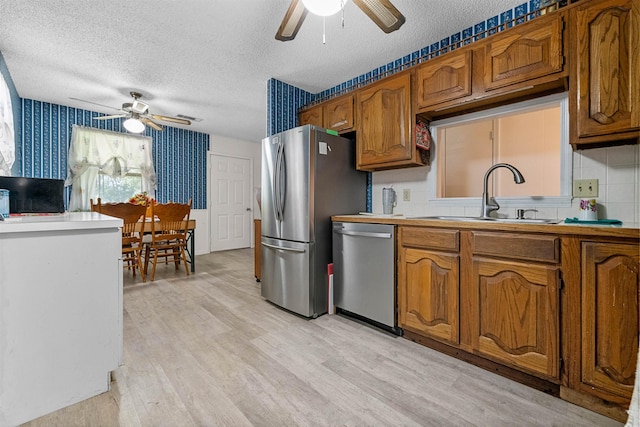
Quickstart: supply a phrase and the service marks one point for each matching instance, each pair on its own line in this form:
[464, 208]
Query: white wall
[202, 234]
[616, 168]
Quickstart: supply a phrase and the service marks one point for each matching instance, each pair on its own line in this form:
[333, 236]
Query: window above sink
[466, 146]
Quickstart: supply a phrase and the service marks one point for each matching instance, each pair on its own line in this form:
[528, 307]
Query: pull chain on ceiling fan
[382, 12]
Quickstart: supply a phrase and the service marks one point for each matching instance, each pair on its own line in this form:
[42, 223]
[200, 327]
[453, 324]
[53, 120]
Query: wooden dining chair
[95, 207]
[132, 231]
[169, 226]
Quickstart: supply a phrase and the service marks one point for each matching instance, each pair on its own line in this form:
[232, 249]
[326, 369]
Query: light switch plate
[406, 195]
[585, 188]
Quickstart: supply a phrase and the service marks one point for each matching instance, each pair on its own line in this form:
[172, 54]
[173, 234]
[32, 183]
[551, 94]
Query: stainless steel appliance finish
[364, 271]
[307, 176]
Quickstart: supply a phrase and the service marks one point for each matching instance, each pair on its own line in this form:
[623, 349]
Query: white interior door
[231, 213]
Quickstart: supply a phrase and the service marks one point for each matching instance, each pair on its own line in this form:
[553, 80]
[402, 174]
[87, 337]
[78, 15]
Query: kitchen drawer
[430, 238]
[517, 246]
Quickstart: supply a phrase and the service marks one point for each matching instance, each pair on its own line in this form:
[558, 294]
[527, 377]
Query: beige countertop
[595, 230]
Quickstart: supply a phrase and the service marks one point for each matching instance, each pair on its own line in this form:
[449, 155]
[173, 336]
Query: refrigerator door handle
[282, 184]
[363, 234]
[281, 248]
[278, 184]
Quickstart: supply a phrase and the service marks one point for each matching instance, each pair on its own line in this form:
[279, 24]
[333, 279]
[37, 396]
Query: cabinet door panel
[312, 116]
[444, 79]
[524, 53]
[607, 75]
[429, 301]
[338, 114]
[384, 125]
[610, 316]
[518, 314]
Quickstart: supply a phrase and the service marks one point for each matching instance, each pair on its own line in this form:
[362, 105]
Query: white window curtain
[7, 140]
[113, 153]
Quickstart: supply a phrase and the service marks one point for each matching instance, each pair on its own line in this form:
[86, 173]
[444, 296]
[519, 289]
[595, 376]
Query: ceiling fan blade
[95, 103]
[292, 21]
[383, 13]
[150, 123]
[114, 116]
[171, 119]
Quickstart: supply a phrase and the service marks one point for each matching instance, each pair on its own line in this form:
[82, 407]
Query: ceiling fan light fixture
[133, 125]
[324, 7]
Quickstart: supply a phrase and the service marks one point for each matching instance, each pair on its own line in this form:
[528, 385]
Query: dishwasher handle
[363, 234]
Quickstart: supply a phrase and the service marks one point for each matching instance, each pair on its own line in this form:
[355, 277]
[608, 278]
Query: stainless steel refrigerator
[307, 176]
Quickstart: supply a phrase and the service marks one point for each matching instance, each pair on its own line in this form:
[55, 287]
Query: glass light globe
[133, 125]
[324, 7]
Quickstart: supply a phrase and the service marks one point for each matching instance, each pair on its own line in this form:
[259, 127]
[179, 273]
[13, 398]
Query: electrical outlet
[585, 188]
[406, 195]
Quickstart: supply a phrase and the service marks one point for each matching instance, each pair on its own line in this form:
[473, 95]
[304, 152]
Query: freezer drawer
[286, 275]
[364, 270]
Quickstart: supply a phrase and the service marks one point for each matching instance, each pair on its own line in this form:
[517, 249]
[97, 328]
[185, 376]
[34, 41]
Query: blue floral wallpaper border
[179, 155]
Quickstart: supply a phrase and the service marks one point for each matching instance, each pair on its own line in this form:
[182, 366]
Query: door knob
[248, 209]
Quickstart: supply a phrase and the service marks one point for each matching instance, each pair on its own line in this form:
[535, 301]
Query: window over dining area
[118, 188]
[109, 165]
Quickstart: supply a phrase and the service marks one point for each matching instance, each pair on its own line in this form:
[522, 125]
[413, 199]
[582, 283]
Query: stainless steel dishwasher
[364, 272]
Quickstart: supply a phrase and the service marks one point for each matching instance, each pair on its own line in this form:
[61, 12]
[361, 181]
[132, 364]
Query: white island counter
[60, 311]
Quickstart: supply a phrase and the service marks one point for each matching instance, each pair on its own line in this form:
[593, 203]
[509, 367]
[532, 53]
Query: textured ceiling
[205, 58]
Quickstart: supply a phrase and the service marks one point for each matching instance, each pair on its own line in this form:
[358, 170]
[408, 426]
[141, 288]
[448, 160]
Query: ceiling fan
[138, 115]
[382, 12]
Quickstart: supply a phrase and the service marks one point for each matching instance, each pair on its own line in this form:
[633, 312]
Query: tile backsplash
[616, 168]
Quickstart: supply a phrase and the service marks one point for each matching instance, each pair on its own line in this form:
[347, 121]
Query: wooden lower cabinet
[516, 319]
[428, 282]
[560, 313]
[514, 298]
[429, 297]
[511, 306]
[610, 316]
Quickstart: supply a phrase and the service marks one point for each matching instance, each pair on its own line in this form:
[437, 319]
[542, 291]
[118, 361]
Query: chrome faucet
[489, 204]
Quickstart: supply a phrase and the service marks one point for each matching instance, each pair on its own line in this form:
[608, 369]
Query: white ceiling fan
[138, 115]
[382, 12]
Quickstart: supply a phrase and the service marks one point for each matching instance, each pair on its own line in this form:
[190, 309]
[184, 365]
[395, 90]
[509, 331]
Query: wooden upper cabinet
[384, 126]
[312, 116]
[606, 71]
[444, 78]
[524, 53]
[610, 316]
[338, 113]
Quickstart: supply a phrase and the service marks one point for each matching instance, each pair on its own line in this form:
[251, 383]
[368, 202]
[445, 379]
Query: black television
[34, 195]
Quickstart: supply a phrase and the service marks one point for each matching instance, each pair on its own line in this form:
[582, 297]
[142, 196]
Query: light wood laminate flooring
[207, 350]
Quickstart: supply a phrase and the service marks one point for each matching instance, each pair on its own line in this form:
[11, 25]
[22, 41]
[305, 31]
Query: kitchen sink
[450, 218]
[501, 220]
[528, 220]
